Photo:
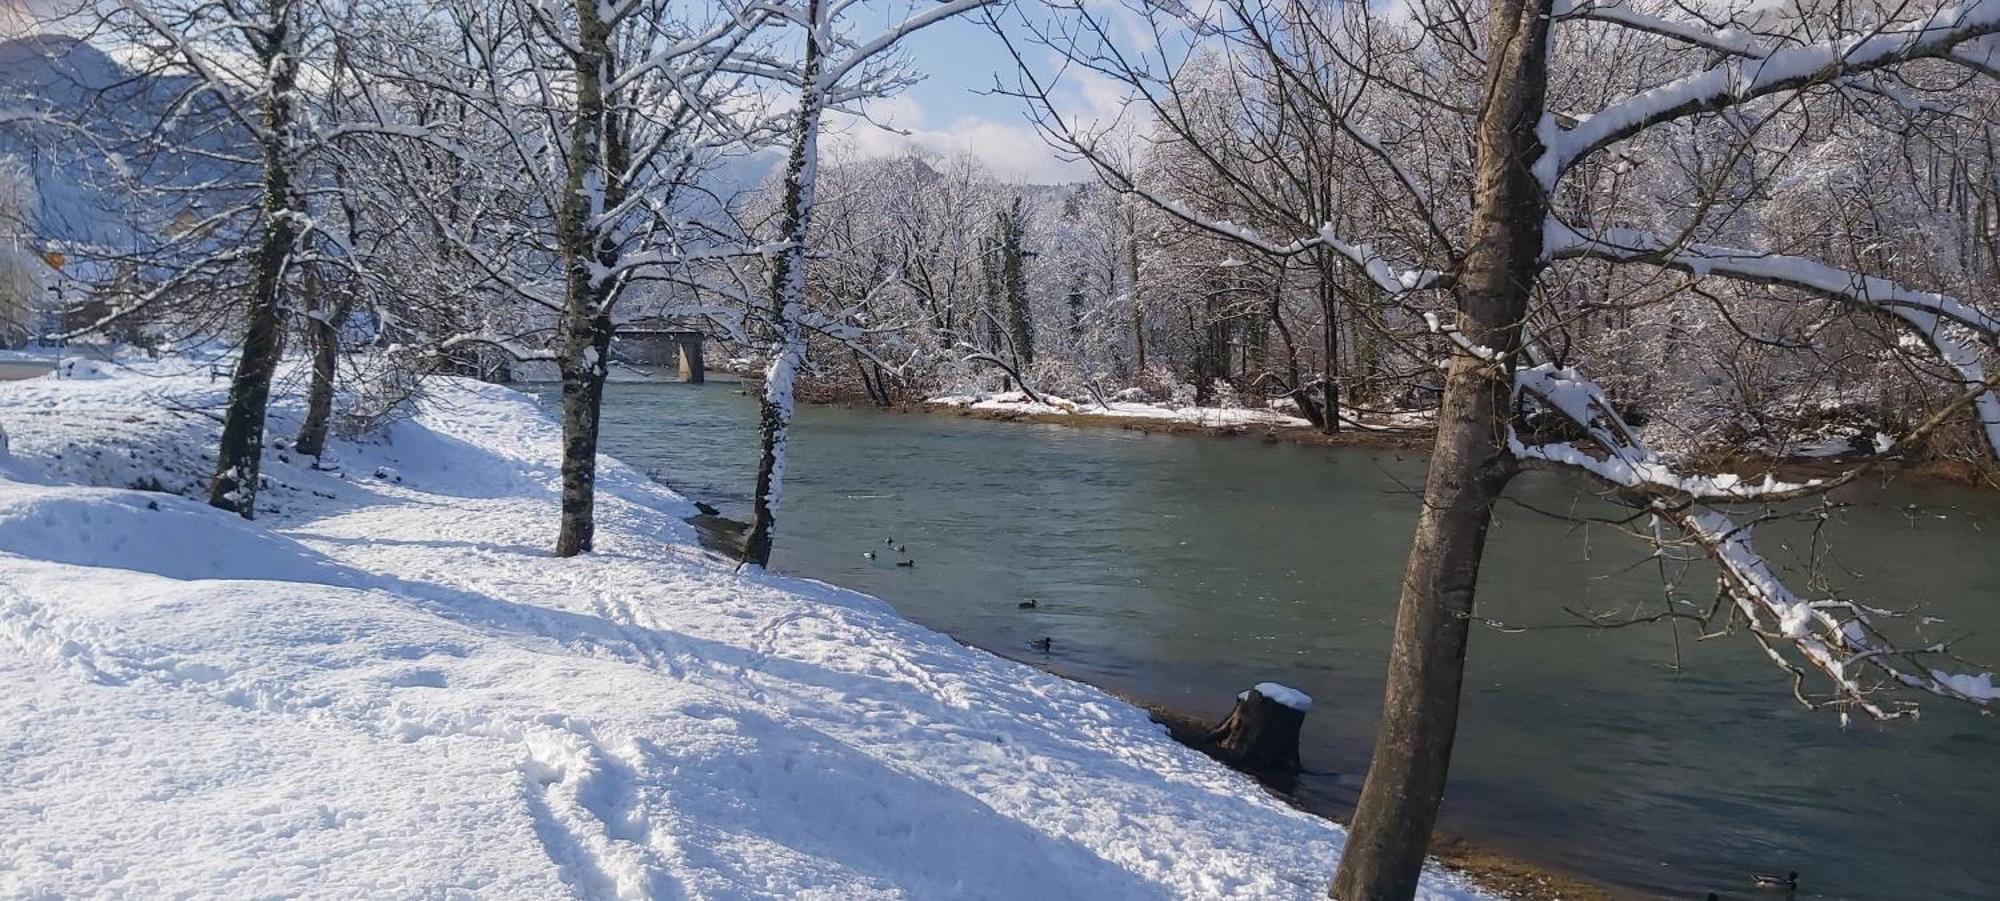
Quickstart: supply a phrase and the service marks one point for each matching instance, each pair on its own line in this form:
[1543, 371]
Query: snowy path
[386, 687]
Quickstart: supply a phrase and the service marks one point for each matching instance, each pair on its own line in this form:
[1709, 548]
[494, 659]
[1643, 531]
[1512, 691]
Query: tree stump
[1261, 734]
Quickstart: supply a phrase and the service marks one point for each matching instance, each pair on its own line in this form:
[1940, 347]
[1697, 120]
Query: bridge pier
[640, 345]
[693, 369]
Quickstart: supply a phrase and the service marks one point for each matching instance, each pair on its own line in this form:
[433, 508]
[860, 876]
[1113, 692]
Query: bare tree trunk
[240, 455]
[325, 334]
[1364, 362]
[1470, 467]
[877, 384]
[1329, 306]
[1014, 284]
[586, 325]
[586, 346]
[1301, 398]
[330, 313]
[788, 288]
[1138, 306]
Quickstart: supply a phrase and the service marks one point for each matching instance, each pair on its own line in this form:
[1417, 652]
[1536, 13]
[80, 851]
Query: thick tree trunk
[788, 288]
[325, 333]
[1470, 466]
[240, 455]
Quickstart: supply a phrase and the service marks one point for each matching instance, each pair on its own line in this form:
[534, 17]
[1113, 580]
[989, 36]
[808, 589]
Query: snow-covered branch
[1838, 637]
[1929, 314]
[512, 346]
[1752, 73]
[1392, 280]
[836, 71]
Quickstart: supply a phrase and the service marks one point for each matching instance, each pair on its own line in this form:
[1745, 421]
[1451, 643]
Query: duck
[902, 549]
[1789, 882]
[906, 563]
[869, 554]
[1030, 603]
[889, 541]
[1042, 644]
[706, 509]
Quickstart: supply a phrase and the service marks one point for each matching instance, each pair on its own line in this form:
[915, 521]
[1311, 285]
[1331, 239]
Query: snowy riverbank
[1386, 429]
[385, 686]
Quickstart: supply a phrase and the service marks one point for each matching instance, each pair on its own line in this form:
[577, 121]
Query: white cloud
[1011, 150]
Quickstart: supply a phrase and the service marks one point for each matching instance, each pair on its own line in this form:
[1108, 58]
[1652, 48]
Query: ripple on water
[1180, 570]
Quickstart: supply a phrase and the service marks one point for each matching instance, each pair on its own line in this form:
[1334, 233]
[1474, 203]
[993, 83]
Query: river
[1181, 569]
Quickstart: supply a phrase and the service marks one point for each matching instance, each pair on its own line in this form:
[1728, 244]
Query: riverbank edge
[1980, 475]
[1370, 438]
[1493, 869]
[1960, 473]
[1489, 869]
[435, 471]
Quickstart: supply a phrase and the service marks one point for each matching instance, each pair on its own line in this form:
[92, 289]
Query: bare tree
[1263, 117]
[1536, 176]
[234, 69]
[834, 68]
[587, 127]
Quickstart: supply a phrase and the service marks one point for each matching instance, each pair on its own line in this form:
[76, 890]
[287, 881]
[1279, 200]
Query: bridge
[653, 341]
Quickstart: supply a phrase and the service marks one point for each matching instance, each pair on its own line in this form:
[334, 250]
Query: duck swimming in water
[1042, 644]
[1788, 882]
[1030, 604]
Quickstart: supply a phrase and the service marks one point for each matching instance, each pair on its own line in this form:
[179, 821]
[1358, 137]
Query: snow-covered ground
[386, 687]
[1213, 417]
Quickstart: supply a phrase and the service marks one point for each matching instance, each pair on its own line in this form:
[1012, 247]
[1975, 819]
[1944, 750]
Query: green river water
[1181, 569]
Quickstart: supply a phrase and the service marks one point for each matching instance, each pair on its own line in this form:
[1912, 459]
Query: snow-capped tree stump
[1262, 732]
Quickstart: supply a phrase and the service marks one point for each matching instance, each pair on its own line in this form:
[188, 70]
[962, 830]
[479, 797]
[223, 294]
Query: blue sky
[954, 109]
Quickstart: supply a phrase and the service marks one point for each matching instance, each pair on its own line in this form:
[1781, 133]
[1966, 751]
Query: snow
[384, 688]
[1814, 628]
[1285, 695]
[1737, 79]
[1385, 275]
[1214, 417]
[1628, 462]
[1971, 685]
[1925, 312]
[1017, 402]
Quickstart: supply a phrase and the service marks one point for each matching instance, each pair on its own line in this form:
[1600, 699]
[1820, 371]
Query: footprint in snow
[419, 678]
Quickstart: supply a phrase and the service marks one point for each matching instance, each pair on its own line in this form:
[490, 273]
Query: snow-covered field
[386, 687]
